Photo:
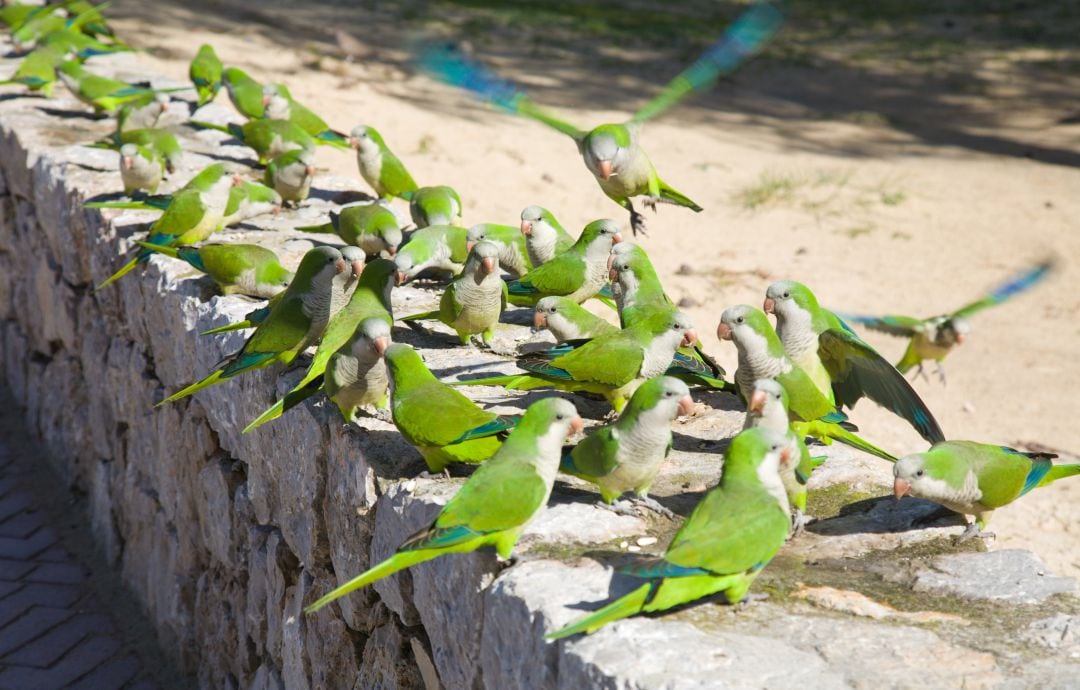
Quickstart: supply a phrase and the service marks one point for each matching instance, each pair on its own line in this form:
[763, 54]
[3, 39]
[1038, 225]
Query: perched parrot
[438, 205]
[513, 256]
[372, 227]
[250, 199]
[37, 71]
[626, 455]
[279, 104]
[244, 92]
[762, 356]
[290, 174]
[297, 320]
[104, 94]
[495, 504]
[934, 338]
[140, 169]
[142, 113]
[474, 301]
[612, 152]
[567, 320]
[205, 73]
[440, 422]
[842, 365]
[578, 273]
[438, 247]
[238, 269]
[379, 167]
[544, 237]
[975, 478]
[213, 183]
[356, 374]
[732, 534]
[268, 138]
[162, 142]
[768, 409]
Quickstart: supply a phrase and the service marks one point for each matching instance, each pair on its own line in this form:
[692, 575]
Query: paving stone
[37, 594]
[25, 548]
[21, 525]
[58, 572]
[32, 624]
[112, 675]
[47, 649]
[83, 658]
[14, 570]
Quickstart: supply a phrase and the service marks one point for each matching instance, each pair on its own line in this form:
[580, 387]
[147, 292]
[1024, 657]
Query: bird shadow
[65, 114]
[693, 444]
[885, 515]
[340, 196]
[20, 94]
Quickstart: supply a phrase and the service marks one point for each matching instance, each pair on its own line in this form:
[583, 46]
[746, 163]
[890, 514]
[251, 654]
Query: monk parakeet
[296, 321]
[238, 269]
[104, 94]
[474, 301]
[439, 205]
[731, 535]
[626, 455]
[142, 113]
[140, 169]
[356, 374]
[934, 338]
[290, 174]
[438, 420]
[205, 73]
[37, 71]
[513, 256]
[249, 199]
[438, 247]
[244, 92]
[578, 273]
[279, 104]
[842, 365]
[567, 320]
[762, 356]
[975, 478]
[544, 237]
[495, 504]
[613, 152]
[268, 138]
[213, 183]
[162, 142]
[372, 227]
[379, 167]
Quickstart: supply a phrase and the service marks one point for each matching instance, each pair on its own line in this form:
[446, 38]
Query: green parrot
[205, 73]
[45, 20]
[268, 138]
[842, 365]
[567, 320]
[544, 237]
[214, 183]
[768, 409]
[513, 256]
[356, 374]
[611, 365]
[161, 142]
[495, 504]
[18, 13]
[732, 534]
[372, 227]
[578, 273]
[934, 338]
[247, 200]
[142, 113]
[297, 320]
[245, 93]
[440, 422]
[626, 455]
[104, 94]
[438, 247]
[474, 301]
[140, 169]
[83, 46]
[37, 71]
[290, 174]
[238, 269]
[279, 104]
[439, 205]
[369, 299]
[975, 478]
[762, 356]
[379, 167]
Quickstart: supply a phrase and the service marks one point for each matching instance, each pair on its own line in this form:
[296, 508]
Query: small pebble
[968, 407]
[646, 541]
[410, 486]
[623, 544]
[634, 549]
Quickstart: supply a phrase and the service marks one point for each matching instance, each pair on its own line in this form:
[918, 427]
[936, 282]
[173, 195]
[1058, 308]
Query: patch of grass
[893, 198]
[770, 188]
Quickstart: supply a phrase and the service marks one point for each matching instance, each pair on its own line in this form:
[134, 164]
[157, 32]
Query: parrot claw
[798, 523]
[654, 505]
[750, 598]
[637, 223]
[941, 373]
[920, 372]
[973, 530]
[619, 508]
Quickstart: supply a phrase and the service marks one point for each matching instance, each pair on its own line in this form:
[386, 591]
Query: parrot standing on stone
[495, 504]
[104, 94]
[37, 71]
[544, 237]
[513, 256]
[249, 199]
[290, 174]
[474, 301]
[142, 113]
[279, 104]
[567, 320]
[578, 273]
[842, 365]
[356, 374]
[437, 247]
[205, 73]
[934, 338]
[440, 422]
[214, 184]
[140, 169]
[296, 321]
[238, 269]
[245, 93]
[267, 138]
[439, 205]
[378, 165]
[161, 142]
[732, 534]
[613, 152]
[372, 227]
[762, 356]
[626, 455]
[975, 478]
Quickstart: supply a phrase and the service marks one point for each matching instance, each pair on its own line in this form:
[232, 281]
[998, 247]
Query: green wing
[435, 414]
[561, 276]
[449, 307]
[1010, 288]
[286, 327]
[613, 361]
[498, 496]
[594, 457]
[393, 175]
[805, 400]
[902, 326]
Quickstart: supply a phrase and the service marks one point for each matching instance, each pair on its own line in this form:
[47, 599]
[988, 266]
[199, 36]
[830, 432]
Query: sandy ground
[890, 194]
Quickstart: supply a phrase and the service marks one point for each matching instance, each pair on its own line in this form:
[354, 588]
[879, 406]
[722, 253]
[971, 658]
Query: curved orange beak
[613, 275]
[960, 337]
[354, 142]
[757, 402]
[616, 238]
[576, 426]
[381, 344]
[785, 457]
[769, 306]
[901, 488]
[605, 170]
[488, 263]
[237, 180]
[526, 228]
[469, 244]
[723, 331]
[686, 405]
[339, 267]
[164, 106]
[265, 100]
[392, 251]
[689, 338]
[402, 276]
[357, 268]
[310, 171]
[126, 162]
[539, 321]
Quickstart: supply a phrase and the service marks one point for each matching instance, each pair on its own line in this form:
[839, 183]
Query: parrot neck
[775, 418]
[541, 244]
[658, 354]
[769, 474]
[369, 159]
[562, 328]
[795, 328]
[645, 436]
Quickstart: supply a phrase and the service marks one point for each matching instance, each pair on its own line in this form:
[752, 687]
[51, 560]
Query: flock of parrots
[796, 376]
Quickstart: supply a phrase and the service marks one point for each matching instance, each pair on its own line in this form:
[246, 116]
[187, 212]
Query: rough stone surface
[225, 536]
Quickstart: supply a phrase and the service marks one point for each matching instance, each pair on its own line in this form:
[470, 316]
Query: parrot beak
[469, 244]
[613, 275]
[402, 277]
[576, 426]
[686, 405]
[310, 171]
[392, 251]
[354, 142]
[237, 180]
[539, 321]
[901, 488]
[265, 101]
[488, 262]
[276, 211]
[357, 268]
[605, 170]
[785, 457]
[526, 228]
[616, 238]
[723, 331]
[164, 106]
[757, 402]
[381, 344]
[339, 267]
[769, 306]
[126, 162]
[960, 338]
[689, 338]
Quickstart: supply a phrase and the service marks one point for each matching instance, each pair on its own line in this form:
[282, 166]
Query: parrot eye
[787, 295]
[776, 446]
[919, 473]
[739, 320]
[560, 417]
[777, 396]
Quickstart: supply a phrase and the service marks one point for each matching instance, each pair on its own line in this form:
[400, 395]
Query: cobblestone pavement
[55, 630]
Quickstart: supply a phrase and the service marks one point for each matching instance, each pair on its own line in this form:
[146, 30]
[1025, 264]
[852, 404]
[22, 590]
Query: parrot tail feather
[268, 415]
[229, 327]
[327, 228]
[124, 270]
[398, 561]
[1060, 472]
[669, 193]
[838, 433]
[627, 606]
[193, 388]
[160, 248]
[509, 381]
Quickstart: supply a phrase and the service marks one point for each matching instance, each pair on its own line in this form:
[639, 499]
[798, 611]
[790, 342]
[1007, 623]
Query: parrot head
[791, 302]
[374, 335]
[483, 259]
[365, 139]
[535, 219]
[768, 406]
[403, 262]
[355, 258]
[760, 452]
[600, 235]
[127, 156]
[390, 235]
[952, 331]
[606, 150]
[665, 397]
[747, 327]
[477, 233]
[679, 328]
[319, 265]
[551, 421]
[275, 103]
[626, 265]
[913, 476]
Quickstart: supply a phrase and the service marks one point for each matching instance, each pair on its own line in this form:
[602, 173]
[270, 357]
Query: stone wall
[223, 537]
